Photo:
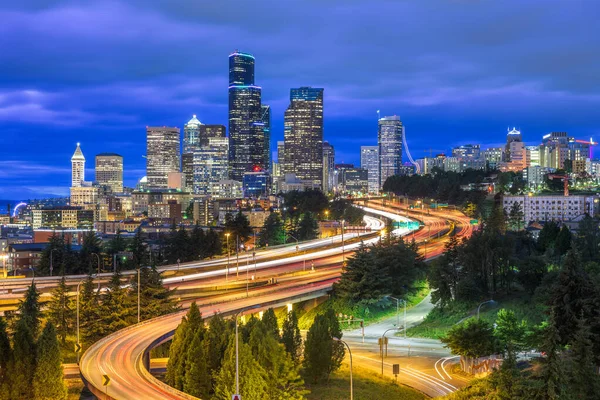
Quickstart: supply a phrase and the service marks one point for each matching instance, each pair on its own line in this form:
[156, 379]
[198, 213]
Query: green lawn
[438, 322]
[367, 386]
[370, 314]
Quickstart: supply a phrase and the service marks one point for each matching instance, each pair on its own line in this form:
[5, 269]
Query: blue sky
[456, 71]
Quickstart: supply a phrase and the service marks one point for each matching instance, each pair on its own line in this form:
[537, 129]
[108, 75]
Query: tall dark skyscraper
[246, 127]
[266, 120]
[303, 135]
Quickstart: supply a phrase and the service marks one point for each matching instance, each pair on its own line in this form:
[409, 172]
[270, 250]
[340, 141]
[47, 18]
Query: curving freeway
[124, 355]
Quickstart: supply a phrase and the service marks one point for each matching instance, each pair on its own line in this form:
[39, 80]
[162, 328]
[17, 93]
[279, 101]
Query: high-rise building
[191, 135]
[211, 165]
[512, 136]
[266, 121]
[328, 167]
[369, 160]
[246, 128]
[162, 155]
[303, 135]
[196, 136]
[493, 156]
[77, 167]
[109, 171]
[467, 151]
[390, 147]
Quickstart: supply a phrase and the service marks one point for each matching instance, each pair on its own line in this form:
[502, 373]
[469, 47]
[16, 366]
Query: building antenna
[378, 115]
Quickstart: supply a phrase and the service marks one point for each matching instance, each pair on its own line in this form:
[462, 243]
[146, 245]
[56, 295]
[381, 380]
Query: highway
[122, 354]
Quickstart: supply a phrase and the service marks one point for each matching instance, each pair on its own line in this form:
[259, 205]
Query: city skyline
[107, 105]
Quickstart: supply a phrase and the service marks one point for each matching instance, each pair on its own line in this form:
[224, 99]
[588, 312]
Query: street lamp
[228, 255]
[485, 302]
[78, 317]
[237, 359]
[382, 343]
[350, 353]
[343, 255]
[398, 314]
[51, 266]
[298, 250]
[4, 266]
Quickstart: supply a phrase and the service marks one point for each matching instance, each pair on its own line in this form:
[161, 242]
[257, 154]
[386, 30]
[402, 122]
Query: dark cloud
[455, 71]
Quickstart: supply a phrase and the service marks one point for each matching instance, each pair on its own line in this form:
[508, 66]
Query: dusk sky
[456, 72]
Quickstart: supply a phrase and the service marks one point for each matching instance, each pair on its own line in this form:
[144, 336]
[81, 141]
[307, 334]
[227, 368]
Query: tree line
[569, 342]
[30, 360]
[273, 363]
[392, 267]
[178, 244]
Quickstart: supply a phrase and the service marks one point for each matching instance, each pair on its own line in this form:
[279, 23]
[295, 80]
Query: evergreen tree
[323, 355]
[363, 279]
[588, 238]
[548, 235]
[238, 226]
[214, 243]
[290, 336]
[22, 365]
[88, 262]
[510, 332]
[563, 241]
[29, 309]
[585, 382]
[317, 350]
[198, 243]
[5, 360]
[48, 381]
[60, 310]
[191, 325]
[155, 298]
[89, 319]
[56, 249]
[216, 341]
[272, 233]
[137, 247]
[552, 373]
[282, 374]
[308, 227]
[252, 378]
[116, 307]
[516, 216]
[270, 321]
[443, 276]
[197, 376]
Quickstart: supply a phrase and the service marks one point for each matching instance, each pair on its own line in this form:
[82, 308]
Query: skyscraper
[303, 135]
[211, 165]
[246, 128]
[77, 168]
[513, 136]
[266, 121]
[162, 155]
[195, 137]
[109, 171]
[390, 147]
[328, 167]
[369, 160]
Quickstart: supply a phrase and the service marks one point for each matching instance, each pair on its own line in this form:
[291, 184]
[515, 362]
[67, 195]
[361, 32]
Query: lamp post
[78, 317]
[51, 265]
[298, 250]
[398, 314]
[4, 266]
[382, 343]
[228, 255]
[343, 255]
[350, 353]
[485, 302]
[237, 257]
[237, 359]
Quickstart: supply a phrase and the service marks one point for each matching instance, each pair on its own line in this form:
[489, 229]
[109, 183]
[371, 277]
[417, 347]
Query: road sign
[105, 380]
[396, 369]
[236, 397]
[77, 347]
[473, 222]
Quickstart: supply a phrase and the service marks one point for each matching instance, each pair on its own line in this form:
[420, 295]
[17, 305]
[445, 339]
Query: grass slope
[367, 386]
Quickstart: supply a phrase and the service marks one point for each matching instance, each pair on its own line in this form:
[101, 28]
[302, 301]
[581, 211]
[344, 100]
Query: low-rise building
[553, 207]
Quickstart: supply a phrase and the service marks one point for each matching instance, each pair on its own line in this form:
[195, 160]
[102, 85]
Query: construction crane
[565, 179]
